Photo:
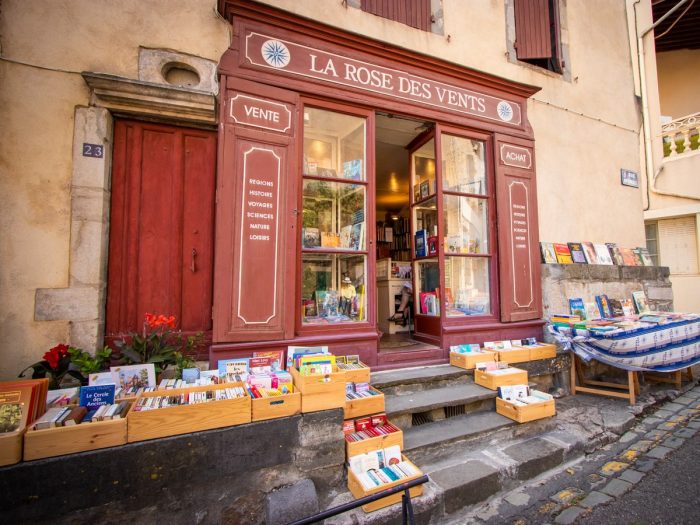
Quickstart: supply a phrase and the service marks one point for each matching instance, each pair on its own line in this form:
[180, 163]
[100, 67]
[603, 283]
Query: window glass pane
[466, 224]
[425, 226]
[333, 215]
[333, 288]
[463, 165]
[467, 286]
[423, 168]
[334, 144]
[428, 287]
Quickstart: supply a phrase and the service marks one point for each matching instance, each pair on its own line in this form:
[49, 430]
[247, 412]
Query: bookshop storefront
[379, 202]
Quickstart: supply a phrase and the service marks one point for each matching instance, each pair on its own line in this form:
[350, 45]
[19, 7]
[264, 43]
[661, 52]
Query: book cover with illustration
[603, 254]
[603, 305]
[615, 253]
[640, 302]
[563, 253]
[577, 307]
[577, 252]
[134, 376]
[589, 252]
[628, 257]
[549, 256]
[311, 238]
[644, 256]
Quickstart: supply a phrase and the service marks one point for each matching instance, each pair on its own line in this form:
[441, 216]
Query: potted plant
[63, 360]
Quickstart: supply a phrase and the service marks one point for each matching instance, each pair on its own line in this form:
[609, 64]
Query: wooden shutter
[533, 37]
[678, 245]
[414, 13]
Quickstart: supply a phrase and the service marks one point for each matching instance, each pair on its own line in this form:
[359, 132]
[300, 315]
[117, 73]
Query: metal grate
[421, 418]
[454, 411]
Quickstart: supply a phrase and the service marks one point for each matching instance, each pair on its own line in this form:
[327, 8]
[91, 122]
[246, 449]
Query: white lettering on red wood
[523, 295]
[260, 113]
[259, 236]
[314, 63]
[516, 156]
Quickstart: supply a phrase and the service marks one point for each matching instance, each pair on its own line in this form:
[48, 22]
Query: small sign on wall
[629, 178]
[93, 150]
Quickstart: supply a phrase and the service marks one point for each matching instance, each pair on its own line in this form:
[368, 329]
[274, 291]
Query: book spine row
[192, 398]
[389, 474]
[359, 395]
[371, 432]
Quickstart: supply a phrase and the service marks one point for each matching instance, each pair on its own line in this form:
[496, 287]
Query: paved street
[651, 475]
[668, 495]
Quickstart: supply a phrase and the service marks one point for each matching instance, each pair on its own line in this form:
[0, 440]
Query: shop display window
[334, 218]
[333, 288]
[428, 286]
[466, 224]
[423, 171]
[467, 286]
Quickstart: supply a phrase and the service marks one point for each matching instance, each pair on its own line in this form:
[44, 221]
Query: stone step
[431, 403]
[418, 378]
[470, 477]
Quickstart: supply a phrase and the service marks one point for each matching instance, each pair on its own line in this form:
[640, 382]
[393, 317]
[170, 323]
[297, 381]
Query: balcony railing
[680, 136]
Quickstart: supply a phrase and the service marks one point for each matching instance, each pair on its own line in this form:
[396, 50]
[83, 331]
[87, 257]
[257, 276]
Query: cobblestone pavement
[600, 479]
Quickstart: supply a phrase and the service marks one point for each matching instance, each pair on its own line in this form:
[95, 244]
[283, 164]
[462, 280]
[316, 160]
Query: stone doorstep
[427, 400]
[419, 375]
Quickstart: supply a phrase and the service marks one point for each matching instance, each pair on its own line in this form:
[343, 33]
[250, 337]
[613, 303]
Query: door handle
[193, 264]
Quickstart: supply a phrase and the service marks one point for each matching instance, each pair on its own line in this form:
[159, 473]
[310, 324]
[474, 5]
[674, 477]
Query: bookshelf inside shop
[393, 240]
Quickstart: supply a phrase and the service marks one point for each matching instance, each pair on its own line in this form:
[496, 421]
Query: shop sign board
[516, 156]
[521, 261]
[271, 53]
[260, 113]
[258, 250]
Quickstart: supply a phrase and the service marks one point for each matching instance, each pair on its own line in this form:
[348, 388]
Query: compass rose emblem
[275, 53]
[505, 111]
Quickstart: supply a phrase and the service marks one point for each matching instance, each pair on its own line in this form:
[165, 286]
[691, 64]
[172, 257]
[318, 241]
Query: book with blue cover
[577, 307]
[421, 243]
[95, 396]
[603, 306]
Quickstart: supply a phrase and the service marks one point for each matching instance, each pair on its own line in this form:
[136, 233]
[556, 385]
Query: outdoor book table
[663, 348]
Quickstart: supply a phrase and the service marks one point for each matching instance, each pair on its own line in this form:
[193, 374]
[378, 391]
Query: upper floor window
[414, 13]
[537, 33]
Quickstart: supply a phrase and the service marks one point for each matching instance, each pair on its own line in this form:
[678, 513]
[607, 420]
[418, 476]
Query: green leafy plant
[181, 362]
[159, 343]
[63, 360]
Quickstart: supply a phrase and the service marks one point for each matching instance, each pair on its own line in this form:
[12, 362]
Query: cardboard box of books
[361, 399]
[521, 404]
[98, 421]
[495, 374]
[467, 356]
[370, 433]
[379, 470]
[180, 411]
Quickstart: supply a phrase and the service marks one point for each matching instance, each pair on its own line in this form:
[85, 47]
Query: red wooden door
[161, 226]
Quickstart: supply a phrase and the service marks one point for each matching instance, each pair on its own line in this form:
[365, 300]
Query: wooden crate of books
[276, 406]
[492, 379]
[320, 392]
[523, 414]
[183, 419]
[542, 351]
[516, 354]
[11, 447]
[364, 406]
[59, 441]
[353, 448]
[359, 491]
[470, 359]
[361, 374]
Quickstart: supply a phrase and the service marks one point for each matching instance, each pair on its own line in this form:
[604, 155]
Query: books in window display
[311, 237]
[421, 243]
[181, 411]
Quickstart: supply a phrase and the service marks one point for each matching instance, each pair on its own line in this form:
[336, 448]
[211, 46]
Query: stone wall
[560, 282]
[219, 476]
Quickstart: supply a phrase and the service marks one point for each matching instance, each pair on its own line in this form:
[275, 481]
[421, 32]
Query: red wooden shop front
[280, 74]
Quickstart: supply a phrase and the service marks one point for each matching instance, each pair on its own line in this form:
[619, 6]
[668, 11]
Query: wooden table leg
[630, 382]
[572, 374]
